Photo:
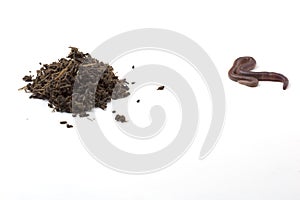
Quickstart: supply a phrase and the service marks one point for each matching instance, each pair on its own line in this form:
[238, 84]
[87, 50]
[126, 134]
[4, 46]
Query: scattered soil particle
[120, 118]
[161, 87]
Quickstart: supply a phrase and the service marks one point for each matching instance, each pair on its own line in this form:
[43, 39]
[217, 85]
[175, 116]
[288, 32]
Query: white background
[258, 155]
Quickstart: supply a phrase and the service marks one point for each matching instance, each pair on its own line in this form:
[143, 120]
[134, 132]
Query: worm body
[241, 73]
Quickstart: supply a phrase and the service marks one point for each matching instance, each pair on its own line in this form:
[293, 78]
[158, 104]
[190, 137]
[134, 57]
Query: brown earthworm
[241, 72]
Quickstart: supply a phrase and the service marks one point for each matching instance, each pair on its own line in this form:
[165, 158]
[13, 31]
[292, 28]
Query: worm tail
[271, 76]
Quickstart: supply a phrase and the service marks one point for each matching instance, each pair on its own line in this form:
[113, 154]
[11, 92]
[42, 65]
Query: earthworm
[241, 73]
